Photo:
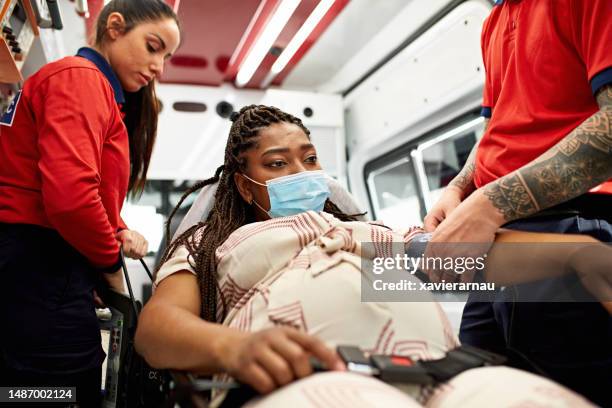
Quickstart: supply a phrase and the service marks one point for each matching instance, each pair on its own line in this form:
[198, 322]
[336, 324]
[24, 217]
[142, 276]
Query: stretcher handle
[127, 278]
[127, 281]
[146, 268]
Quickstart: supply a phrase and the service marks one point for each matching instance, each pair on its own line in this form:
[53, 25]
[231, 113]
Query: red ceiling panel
[211, 30]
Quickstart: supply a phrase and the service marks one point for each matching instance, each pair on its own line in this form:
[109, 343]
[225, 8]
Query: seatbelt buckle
[403, 369]
[356, 360]
[400, 369]
[388, 368]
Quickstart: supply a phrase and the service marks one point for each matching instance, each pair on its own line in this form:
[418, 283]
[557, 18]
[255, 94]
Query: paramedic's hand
[114, 281]
[274, 357]
[451, 198]
[135, 246]
[473, 223]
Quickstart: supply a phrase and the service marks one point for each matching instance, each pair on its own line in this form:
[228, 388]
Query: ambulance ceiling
[252, 43]
[296, 44]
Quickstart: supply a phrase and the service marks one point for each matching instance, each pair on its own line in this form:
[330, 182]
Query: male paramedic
[543, 164]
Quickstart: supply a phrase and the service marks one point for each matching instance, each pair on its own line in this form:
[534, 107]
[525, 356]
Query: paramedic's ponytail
[141, 107]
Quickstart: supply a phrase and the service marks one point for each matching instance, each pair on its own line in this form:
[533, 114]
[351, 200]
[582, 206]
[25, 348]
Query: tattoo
[465, 179]
[511, 197]
[579, 162]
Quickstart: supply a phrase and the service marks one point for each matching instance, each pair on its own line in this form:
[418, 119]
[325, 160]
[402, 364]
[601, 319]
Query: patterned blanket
[305, 271]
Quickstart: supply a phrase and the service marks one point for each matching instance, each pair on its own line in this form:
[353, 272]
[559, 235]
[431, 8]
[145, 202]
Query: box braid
[229, 211]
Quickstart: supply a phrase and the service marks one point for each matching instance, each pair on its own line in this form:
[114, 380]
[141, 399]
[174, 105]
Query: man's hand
[474, 220]
[450, 199]
[135, 246]
[460, 187]
[472, 225]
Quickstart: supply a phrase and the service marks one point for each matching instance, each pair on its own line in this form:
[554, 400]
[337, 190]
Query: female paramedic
[77, 138]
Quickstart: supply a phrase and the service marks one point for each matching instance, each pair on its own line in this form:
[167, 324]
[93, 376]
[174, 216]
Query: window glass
[443, 161]
[403, 190]
[441, 157]
[394, 194]
[148, 213]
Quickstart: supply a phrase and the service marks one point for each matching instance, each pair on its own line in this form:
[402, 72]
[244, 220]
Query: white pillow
[204, 202]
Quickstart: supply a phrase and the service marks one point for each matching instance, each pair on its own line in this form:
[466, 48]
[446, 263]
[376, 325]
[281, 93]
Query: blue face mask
[296, 193]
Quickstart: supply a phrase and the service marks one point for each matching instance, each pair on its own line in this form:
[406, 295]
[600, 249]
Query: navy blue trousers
[570, 343]
[50, 332]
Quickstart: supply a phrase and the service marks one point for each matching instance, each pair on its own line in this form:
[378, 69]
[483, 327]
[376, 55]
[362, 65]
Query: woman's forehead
[281, 134]
[166, 29]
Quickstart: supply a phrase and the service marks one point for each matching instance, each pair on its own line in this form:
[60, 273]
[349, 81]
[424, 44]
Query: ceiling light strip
[246, 33]
[298, 39]
[263, 44]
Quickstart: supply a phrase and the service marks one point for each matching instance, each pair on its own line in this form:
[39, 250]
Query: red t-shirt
[544, 62]
[64, 158]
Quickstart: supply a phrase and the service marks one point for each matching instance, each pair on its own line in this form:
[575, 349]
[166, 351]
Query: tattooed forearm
[465, 179]
[579, 162]
[510, 196]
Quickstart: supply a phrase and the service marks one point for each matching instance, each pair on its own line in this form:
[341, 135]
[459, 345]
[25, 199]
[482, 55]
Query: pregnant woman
[273, 275]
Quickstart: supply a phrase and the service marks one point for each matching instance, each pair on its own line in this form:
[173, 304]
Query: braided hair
[229, 211]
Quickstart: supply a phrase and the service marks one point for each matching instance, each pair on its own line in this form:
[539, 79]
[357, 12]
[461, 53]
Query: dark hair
[229, 211]
[141, 107]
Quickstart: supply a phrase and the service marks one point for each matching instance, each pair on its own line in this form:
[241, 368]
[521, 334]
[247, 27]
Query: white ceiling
[351, 30]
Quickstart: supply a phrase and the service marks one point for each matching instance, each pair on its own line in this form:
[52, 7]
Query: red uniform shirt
[64, 155]
[544, 62]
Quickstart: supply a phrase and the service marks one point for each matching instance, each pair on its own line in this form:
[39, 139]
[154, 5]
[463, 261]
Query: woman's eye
[311, 159]
[276, 163]
[151, 48]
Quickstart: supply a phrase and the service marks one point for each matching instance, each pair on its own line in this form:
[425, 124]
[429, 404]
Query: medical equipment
[47, 14]
[127, 380]
[295, 193]
[19, 27]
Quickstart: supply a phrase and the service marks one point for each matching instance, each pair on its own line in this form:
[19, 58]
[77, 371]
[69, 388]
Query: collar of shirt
[500, 2]
[104, 67]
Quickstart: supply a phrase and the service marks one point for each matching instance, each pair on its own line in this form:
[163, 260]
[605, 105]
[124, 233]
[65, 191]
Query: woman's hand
[274, 357]
[135, 246]
[114, 282]
[450, 199]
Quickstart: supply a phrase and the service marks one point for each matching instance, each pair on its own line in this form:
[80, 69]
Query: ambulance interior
[390, 90]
